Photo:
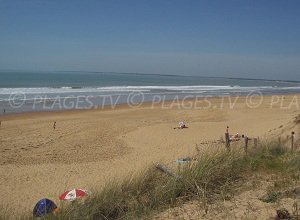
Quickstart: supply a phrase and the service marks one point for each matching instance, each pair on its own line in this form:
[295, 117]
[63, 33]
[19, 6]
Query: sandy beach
[89, 148]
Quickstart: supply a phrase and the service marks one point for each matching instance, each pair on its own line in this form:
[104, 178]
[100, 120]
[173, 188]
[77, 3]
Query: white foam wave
[145, 89]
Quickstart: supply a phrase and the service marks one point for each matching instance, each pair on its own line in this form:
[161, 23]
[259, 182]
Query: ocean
[52, 91]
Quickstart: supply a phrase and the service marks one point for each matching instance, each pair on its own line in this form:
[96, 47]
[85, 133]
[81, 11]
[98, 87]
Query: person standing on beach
[54, 125]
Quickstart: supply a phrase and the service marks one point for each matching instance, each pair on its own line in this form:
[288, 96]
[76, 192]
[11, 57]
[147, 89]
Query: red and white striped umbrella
[73, 194]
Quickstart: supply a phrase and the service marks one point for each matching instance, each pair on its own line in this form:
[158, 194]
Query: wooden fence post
[166, 170]
[255, 142]
[246, 144]
[227, 140]
[292, 140]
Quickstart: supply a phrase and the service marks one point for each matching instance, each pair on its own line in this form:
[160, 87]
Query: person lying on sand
[182, 125]
[235, 137]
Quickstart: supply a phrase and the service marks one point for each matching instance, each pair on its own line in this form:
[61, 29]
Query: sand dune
[89, 148]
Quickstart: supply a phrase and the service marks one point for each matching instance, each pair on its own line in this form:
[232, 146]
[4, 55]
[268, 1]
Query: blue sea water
[46, 91]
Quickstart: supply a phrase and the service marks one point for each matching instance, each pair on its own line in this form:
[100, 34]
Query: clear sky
[241, 38]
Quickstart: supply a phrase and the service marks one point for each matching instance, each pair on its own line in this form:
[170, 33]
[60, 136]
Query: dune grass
[154, 190]
[210, 177]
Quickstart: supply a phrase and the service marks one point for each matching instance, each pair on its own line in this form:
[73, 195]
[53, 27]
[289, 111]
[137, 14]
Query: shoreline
[108, 107]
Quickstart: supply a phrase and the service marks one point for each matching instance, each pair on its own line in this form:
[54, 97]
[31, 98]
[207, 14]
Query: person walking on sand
[54, 125]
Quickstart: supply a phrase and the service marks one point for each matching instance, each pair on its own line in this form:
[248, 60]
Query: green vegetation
[212, 176]
[271, 197]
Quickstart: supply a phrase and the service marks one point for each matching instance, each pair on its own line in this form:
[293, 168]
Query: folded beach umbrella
[73, 194]
[44, 207]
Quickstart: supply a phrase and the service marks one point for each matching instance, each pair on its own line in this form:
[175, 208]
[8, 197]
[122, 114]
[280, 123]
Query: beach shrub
[271, 197]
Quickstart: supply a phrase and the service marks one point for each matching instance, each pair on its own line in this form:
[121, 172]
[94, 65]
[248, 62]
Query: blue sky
[253, 39]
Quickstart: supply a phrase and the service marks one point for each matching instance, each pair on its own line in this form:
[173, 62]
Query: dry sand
[246, 204]
[89, 148]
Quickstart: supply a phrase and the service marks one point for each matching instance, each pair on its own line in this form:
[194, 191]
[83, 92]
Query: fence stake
[227, 140]
[292, 140]
[166, 170]
[246, 144]
[255, 142]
